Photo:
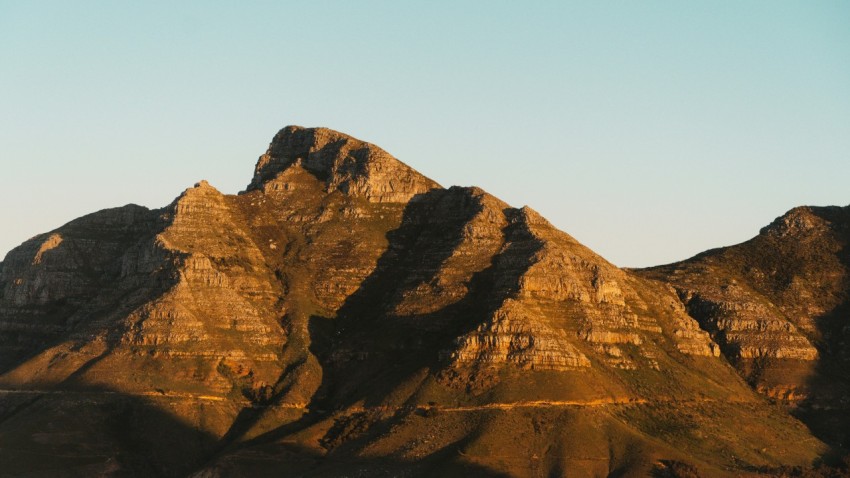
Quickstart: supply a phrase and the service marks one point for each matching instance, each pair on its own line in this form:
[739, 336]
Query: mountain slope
[347, 314]
[778, 306]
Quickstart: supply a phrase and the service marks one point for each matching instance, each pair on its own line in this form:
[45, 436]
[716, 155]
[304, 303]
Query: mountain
[347, 316]
[778, 307]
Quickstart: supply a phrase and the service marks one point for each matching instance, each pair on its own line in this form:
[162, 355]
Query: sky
[649, 131]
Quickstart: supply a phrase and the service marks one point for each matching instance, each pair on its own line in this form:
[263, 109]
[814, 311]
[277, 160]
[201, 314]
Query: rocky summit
[347, 316]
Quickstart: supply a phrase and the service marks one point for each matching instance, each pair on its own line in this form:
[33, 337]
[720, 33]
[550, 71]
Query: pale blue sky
[650, 131]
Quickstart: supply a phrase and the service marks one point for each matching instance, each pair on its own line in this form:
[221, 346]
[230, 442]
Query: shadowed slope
[778, 305]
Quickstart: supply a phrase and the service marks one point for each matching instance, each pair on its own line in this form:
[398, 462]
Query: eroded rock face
[777, 304]
[343, 291]
[59, 286]
[344, 163]
[749, 327]
[515, 336]
[599, 304]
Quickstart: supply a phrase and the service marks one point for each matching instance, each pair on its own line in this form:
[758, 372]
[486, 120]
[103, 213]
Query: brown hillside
[347, 316]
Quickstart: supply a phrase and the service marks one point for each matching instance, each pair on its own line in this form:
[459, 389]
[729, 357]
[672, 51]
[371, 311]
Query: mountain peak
[808, 220]
[343, 162]
[796, 222]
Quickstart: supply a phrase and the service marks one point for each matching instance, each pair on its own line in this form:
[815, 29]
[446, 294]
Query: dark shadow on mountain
[342, 452]
[293, 145]
[96, 432]
[827, 410]
[283, 460]
[367, 352]
[92, 256]
[414, 254]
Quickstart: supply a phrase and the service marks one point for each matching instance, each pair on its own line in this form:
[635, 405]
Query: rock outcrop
[343, 163]
[778, 306]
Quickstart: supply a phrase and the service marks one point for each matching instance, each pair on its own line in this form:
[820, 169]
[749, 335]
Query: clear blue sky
[650, 131]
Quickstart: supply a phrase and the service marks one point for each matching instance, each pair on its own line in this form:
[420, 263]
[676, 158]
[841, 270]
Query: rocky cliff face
[347, 314]
[343, 163]
[778, 306]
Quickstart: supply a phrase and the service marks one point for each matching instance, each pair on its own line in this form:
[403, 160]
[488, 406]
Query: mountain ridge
[345, 312]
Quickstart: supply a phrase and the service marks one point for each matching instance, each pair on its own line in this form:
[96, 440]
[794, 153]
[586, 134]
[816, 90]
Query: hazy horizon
[649, 132]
